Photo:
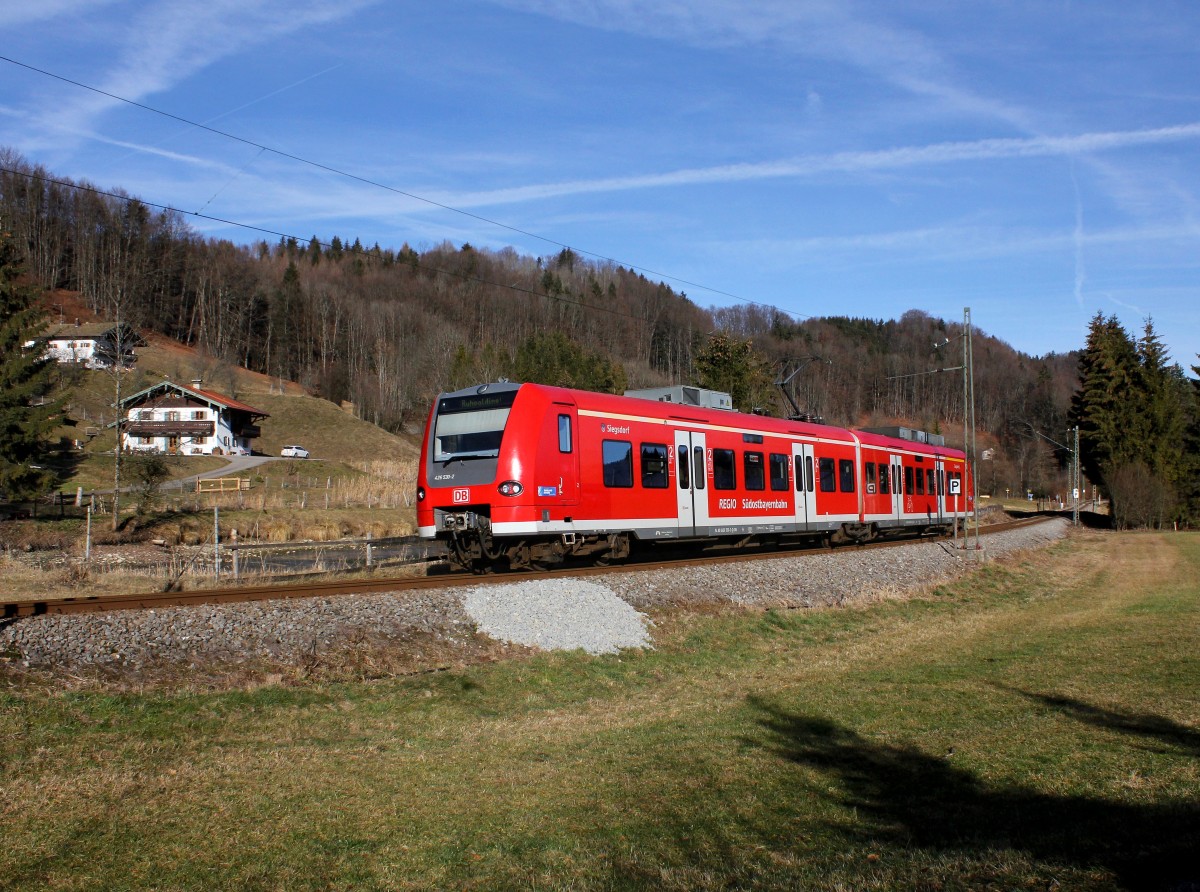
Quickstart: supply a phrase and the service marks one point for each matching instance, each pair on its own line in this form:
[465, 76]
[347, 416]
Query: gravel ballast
[567, 613]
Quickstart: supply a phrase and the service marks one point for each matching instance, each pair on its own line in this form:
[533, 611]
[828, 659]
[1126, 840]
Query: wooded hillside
[388, 328]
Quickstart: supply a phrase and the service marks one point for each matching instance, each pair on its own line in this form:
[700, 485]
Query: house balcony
[249, 431]
[169, 428]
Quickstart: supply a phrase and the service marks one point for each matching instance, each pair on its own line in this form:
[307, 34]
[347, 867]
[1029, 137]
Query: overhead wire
[375, 184]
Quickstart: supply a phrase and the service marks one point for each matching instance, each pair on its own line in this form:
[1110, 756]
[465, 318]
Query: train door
[804, 485]
[691, 483]
[939, 472]
[897, 486]
[557, 475]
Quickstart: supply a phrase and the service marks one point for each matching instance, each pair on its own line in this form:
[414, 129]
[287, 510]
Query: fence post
[368, 548]
[87, 545]
[216, 542]
[234, 535]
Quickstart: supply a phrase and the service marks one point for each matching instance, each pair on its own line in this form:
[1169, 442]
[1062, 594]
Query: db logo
[462, 496]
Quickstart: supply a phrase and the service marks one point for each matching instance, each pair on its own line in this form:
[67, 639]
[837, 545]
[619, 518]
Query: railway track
[17, 608]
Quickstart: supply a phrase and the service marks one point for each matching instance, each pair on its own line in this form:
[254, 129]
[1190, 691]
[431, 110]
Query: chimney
[196, 382]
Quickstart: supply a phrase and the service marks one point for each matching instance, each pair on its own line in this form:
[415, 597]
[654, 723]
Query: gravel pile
[545, 614]
[552, 614]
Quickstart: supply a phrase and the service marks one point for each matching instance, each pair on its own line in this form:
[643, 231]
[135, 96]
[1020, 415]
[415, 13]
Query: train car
[524, 475]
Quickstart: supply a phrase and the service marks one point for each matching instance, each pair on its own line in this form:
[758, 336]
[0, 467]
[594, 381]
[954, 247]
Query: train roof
[614, 404]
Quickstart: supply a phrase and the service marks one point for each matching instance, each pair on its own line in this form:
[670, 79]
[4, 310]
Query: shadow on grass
[912, 799]
[1167, 733]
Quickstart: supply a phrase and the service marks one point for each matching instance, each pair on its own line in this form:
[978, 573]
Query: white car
[294, 452]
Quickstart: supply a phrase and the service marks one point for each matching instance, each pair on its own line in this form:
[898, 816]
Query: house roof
[208, 396]
[89, 330]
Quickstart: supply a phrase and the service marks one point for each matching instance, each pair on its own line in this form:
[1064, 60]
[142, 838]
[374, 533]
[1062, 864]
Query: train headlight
[510, 488]
[420, 493]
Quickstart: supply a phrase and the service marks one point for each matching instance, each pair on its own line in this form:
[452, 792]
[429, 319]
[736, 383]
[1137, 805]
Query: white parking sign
[955, 486]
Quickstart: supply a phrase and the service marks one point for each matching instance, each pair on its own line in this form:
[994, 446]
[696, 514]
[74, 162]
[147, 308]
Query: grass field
[1034, 726]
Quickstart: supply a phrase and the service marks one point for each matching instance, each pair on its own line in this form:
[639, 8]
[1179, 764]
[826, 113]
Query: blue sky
[1035, 161]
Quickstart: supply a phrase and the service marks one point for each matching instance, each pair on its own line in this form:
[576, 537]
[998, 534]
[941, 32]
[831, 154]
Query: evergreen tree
[1163, 421]
[732, 365]
[1106, 405]
[24, 378]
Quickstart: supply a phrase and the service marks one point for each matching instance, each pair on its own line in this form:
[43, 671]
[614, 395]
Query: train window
[799, 474]
[752, 467]
[846, 474]
[564, 433]
[779, 472]
[869, 474]
[929, 485]
[618, 463]
[908, 481]
[941, 482]
[698, 466]
[808, 473]
[684, 469]
[920, 482]
[724, 469]
[828, 482]
[884, 487]
[654, 466]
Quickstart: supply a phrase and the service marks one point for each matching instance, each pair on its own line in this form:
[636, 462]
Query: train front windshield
[471, 426]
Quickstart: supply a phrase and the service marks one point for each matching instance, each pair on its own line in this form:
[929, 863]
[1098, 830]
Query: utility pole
[1075, 481]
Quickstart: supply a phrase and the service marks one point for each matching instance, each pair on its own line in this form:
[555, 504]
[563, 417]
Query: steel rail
[17, 608]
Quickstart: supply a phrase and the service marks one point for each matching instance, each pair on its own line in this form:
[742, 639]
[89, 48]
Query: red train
[527, 475]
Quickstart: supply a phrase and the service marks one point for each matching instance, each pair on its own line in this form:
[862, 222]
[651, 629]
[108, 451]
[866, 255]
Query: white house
[183, 420]
[94, 345]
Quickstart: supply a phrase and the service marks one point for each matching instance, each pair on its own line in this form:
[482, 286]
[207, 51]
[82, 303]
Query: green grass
[1031, 726]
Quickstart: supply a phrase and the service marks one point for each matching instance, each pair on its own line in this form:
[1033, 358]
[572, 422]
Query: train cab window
[908, 481]
[920, 482]
[752, 468]
[564, 433]
[618, 463]
[869, 474]
[724, 469]
[779, 472]
[654, 466]
[684, 469]
[884, 481]
[929, 484]
[698, 466]
[846, 475]
[828, 481]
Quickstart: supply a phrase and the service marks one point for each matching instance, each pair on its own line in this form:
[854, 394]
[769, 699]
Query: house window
[145, 415]
[199, 415]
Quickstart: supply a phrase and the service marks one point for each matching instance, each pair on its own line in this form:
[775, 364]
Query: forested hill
[388, 328]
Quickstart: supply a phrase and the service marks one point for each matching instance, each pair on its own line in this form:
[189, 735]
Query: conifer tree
[24, 379]
[1105, 405]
